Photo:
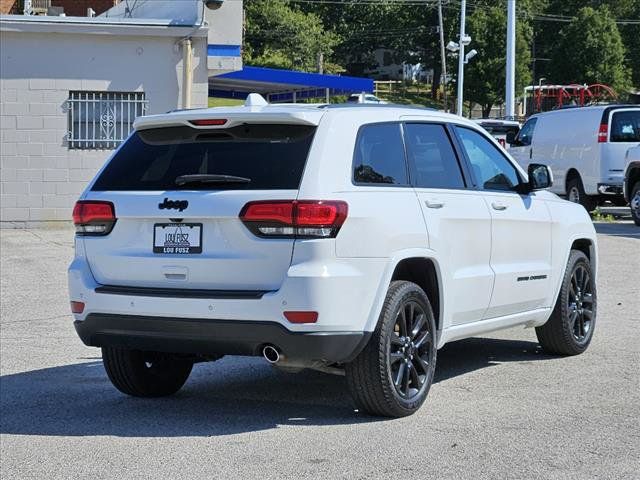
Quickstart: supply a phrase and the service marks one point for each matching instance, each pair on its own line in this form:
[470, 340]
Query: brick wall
[8, 7]
[78, 8]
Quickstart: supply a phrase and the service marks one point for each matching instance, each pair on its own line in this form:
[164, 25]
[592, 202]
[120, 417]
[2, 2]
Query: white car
[501, 130]
[365, 98]
[353, 239]
[585, 148]
[631, 185]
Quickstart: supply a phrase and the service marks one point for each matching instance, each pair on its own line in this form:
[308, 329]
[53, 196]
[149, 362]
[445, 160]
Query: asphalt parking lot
[499, 408]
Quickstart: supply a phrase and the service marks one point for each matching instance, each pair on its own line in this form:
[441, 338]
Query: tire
[373, 374]
[576, 194]
[635, 203]
[145, 374]
[570, 328]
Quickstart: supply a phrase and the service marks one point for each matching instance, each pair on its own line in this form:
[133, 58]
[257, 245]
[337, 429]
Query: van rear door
[623, 128]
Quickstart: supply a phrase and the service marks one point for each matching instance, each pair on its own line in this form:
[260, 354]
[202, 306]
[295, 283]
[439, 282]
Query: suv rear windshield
[271, 156]
[625, 126]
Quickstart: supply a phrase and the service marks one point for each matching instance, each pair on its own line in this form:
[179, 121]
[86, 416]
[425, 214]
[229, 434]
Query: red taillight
[93, 217]
[295, 218]
[209, 122]
[279, 211]
[301, 317]
[321, 213]
[603, 133]
[77, 307]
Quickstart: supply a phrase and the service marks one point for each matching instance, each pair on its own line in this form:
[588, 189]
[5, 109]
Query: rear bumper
[216, 337]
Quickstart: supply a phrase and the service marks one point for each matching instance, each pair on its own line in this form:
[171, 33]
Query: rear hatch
[178, 190]
[623, 125]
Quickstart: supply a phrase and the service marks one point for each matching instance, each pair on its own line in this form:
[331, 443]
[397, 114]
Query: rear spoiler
[230, 118]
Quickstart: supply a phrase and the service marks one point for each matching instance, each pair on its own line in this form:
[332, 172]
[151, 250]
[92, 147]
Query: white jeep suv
[353, 239]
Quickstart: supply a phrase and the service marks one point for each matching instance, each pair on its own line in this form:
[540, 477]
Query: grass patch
[224, 102]
[598, 216]
[409, 94]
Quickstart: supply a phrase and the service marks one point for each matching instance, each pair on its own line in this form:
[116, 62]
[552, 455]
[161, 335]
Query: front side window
[102, 120]
[379, 156]
[431, 157]
[625, 126]
[490, 167]
[525, 137]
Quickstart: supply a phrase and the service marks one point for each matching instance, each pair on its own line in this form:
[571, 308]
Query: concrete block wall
[40, 177]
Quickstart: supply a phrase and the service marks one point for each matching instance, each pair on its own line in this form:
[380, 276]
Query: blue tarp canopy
[284, 85]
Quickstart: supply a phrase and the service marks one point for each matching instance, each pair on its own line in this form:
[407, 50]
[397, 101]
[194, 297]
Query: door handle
[530, 153]
[434, 203]
[498, 206]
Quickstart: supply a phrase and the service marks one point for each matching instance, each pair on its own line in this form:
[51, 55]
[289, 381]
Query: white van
[585, 148]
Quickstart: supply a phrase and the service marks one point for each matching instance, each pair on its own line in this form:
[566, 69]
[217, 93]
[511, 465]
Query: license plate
[178, 238]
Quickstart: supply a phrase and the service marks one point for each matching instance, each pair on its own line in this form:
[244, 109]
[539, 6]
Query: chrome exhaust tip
[271, 354]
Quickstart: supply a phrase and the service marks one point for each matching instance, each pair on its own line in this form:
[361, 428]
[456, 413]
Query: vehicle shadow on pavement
[233, 395]
[618, 229]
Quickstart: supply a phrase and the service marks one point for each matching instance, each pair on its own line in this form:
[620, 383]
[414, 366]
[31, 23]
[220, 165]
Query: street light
[453, 47]
[464, 39]
[470, 55]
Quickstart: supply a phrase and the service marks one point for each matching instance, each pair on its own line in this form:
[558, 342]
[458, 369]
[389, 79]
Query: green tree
[280, 35]
[590, 50]
[485, 75]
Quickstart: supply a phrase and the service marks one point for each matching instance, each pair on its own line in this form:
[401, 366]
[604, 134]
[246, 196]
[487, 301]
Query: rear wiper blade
[210, 178]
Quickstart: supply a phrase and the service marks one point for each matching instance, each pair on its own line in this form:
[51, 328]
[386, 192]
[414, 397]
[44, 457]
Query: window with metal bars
[102, 120]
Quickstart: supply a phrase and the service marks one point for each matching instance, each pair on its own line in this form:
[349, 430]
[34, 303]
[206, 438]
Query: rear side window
[431, 157]
[379, 156]
[271, 156]
[625, 126]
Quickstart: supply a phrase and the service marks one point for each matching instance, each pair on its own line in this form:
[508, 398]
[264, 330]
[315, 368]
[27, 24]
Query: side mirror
[540, 176]
[511, 137]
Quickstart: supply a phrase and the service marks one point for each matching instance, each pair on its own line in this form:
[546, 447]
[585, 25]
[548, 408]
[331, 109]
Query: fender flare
[383, 286]
[593, 260]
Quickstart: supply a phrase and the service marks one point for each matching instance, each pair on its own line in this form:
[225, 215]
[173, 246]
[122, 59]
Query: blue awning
[279, 85]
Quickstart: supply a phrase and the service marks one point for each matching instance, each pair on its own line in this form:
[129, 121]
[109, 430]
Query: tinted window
[492, 169]
[379, 156]
[525, 136]
[431, 157]
[272, 156]
[625, 126]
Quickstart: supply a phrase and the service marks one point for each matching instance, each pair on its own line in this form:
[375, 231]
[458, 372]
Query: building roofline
[99, 26]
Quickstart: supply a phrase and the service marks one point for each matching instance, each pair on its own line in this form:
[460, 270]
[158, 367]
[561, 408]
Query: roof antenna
[255, 100]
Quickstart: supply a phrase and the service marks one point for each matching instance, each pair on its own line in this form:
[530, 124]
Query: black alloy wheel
[570, 327]
[392, 375]
[410, 350]
[580, 303]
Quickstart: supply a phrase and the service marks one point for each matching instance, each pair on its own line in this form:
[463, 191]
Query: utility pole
[510, 91]
[461, 42]
[443, 57]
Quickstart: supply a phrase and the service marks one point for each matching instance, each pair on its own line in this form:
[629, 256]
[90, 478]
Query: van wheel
[635, 203]
[575, 194]
[569, 330]
[393, 374]
[145, 374]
